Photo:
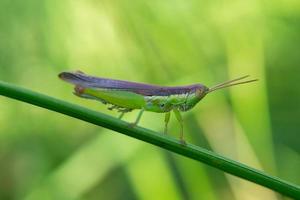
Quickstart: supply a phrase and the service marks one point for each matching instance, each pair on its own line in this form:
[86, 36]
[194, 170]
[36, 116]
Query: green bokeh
[44, 155]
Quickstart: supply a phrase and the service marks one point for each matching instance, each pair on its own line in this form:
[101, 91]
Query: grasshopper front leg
[179, 118]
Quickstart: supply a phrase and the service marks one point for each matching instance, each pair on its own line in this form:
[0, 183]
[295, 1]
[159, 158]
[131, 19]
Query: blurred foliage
[48, 156]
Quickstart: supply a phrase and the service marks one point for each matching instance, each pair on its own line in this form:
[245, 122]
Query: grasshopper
[125, 96]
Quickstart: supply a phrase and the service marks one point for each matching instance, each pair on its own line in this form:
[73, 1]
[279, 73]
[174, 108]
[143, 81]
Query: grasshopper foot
[182, 142]
[165, 131]
[133, 124]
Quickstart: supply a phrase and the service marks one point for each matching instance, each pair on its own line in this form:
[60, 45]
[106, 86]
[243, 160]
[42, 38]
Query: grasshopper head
[201, 91]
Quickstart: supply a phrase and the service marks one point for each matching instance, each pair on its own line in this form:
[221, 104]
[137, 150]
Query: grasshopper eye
[163, 105]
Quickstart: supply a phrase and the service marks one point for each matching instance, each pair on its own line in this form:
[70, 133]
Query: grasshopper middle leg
[138, 118]
[167, 119]
[179, 118]
[121, 115]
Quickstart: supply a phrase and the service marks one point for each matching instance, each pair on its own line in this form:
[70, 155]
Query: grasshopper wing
[83, 80]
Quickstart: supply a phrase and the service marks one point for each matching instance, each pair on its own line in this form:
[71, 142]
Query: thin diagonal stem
[163, 141]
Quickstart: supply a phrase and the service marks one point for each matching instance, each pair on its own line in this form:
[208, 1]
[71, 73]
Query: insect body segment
[162, 104]
[123, 99]
[126, 96]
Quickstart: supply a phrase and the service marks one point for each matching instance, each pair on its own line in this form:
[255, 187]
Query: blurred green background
[45, 155]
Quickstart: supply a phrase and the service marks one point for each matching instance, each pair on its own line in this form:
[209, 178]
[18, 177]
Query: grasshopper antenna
[231, 83]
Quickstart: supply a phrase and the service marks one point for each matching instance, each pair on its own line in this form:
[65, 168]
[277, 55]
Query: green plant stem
[165, 142]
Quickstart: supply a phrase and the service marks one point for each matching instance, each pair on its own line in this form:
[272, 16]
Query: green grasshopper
[125, 96]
